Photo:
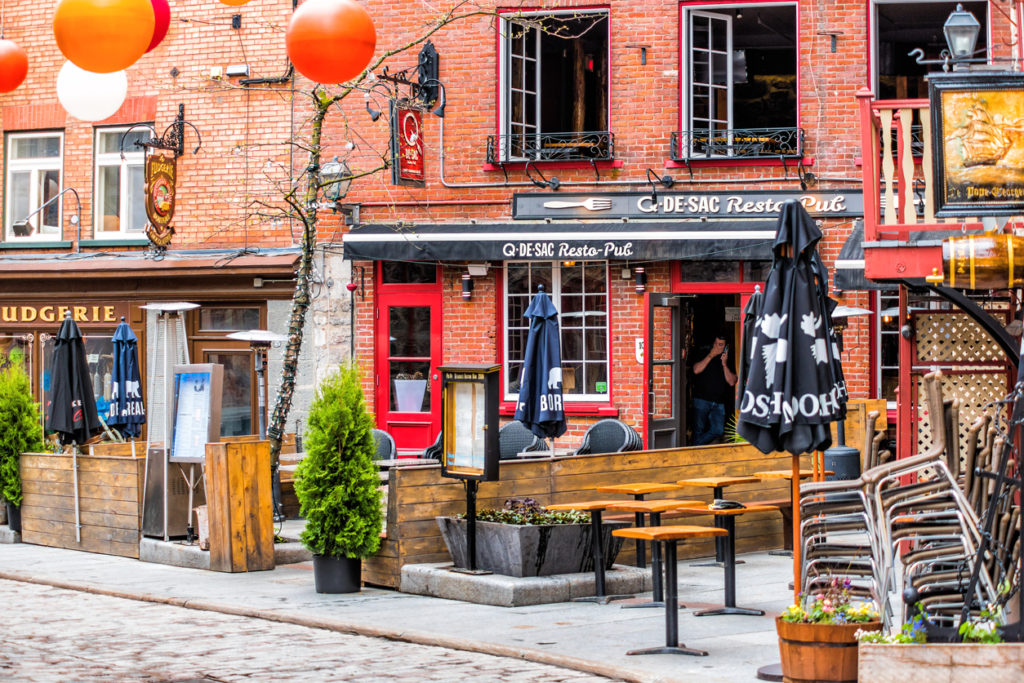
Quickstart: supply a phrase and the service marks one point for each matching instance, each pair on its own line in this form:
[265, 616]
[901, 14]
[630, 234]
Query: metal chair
[514, 438]
[609, 436]
[384, 444]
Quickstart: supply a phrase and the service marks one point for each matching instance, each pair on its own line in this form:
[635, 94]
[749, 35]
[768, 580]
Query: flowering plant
[834, 606]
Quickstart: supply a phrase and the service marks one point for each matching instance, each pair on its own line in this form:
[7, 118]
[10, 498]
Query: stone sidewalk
[581, 636]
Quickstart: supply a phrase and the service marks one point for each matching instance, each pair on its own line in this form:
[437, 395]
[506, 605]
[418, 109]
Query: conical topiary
[20, 428]
[336, 483]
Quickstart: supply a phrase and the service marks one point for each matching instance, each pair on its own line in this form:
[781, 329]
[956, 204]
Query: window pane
[236, 404]
[49, 186]
[409, 331]
[35, 148]
[572, 344]
[136, 200]
[18, 197]
[396, 273]
[109, 190]
[756, 271]
[110, 141]
[214, 319]
[410, 390]
[709, 271]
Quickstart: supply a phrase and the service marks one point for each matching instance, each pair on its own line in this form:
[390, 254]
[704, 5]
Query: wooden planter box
[529, 549]
[947, 662]
[109, 502]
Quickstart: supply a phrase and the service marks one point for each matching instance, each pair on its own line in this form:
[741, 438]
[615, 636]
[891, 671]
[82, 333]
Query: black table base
[597, 549]
[729, 548]
[672, 645]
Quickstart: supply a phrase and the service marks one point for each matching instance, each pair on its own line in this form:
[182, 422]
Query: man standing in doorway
[713, 383]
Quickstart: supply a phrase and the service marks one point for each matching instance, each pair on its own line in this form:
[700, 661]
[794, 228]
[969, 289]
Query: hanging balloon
[330, 41]
[103, 36]
[162, 20]
[234, 3]
[13, 65]
[90, 96]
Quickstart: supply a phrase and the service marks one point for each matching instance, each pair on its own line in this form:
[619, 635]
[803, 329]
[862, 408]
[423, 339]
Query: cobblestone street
[52, 634]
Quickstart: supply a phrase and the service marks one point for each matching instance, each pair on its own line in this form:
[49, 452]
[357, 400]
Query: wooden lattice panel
[953, 337]
[976, 391]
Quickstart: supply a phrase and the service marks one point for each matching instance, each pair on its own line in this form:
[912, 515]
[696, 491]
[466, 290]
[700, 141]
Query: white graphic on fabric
[554, 378]
[775, 352]
[810, 325]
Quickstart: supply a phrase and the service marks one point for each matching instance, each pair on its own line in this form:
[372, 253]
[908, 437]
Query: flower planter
[953, 662]
[820, 652]
[337, 574]
[409, 395]
[529, 549]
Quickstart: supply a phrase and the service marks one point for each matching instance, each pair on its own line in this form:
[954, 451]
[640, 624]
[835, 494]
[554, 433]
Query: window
[738, 95]
[580, 294]
[554, 99]
[889, 345]
[120, 192]
[33, 179]
[903, 25]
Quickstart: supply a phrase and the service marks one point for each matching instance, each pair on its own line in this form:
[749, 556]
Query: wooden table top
[651, 505]
[583, 505]
[640, 488]
[724, 480]
[787, 474]
[704, 509]
[668, 533]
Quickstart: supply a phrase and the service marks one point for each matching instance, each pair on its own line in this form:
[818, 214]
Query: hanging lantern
[162, 21]
[13, 65]
[90, 96]
[330, 41]
[104, 36]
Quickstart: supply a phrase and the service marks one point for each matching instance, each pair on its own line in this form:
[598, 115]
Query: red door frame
[412, 431]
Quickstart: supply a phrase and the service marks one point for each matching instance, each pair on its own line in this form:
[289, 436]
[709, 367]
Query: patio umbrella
[127, 412]
[795, 385]
[751, 313]
[72, 410]
[540, 382]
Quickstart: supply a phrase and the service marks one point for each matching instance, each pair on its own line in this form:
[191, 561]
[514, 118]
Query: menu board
[196, 410]
[468, 441]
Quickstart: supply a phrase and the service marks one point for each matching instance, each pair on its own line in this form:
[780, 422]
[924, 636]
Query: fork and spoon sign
[590, 203]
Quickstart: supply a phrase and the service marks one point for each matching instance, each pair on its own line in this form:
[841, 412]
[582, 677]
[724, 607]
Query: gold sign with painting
[161, 174]
[978, 129]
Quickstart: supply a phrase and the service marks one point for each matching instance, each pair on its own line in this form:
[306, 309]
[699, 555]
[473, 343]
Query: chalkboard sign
[197, 391]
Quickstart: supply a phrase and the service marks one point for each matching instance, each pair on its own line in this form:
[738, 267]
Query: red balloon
[13, 65]
[330, 41]
[162, 13]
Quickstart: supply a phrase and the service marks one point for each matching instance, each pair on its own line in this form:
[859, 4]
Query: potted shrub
[410, 388]
[522, 539]
[337, 485]
[819, 642]
[21, 433]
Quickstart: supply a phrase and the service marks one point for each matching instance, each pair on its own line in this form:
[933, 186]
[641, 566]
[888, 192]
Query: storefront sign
[689, 205]
[977, 120]
[161, 175]
[47, 313]
[408, 141]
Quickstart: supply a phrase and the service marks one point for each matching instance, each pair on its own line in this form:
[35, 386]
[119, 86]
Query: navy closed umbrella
[751, 313]
[794, 387]
[127, 411]
[540, 382]
[72, 410]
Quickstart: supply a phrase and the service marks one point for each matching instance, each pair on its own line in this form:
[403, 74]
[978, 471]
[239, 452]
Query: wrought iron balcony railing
[742, 143]
[584, 146]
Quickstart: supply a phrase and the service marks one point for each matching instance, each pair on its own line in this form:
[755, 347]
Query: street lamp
[961, 29]
[335, 178]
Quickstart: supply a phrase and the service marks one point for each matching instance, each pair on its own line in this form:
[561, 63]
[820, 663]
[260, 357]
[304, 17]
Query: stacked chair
[610, 436]
[515, 438]
[904, 524]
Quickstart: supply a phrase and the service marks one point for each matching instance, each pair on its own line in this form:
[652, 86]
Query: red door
[408, 352]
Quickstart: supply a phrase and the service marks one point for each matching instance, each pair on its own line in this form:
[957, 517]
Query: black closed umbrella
[127, 411]
[540, 382]
[751, 313]
[72, 410]
[794, 388]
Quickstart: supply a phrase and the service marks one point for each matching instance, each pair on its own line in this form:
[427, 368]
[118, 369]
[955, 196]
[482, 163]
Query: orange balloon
[103, 36]
[330, 41]
[13, 65]
[234, 3]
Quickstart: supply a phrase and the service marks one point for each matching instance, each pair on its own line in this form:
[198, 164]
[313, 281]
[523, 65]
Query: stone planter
[529, 550]
[948, 662]
[820, 652]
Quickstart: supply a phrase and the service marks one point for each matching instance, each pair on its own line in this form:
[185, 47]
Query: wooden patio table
[716, 484]
[595, 508]
[638, 491]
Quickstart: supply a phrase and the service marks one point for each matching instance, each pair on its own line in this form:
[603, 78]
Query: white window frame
[133, 157]
[506, 27]
[556, 296]
[34, 166]
[721, 12]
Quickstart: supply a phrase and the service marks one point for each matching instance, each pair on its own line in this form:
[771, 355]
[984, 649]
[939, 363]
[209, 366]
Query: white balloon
[90, 96]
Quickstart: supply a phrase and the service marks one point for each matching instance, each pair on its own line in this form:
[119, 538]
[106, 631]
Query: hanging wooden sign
[161, 175]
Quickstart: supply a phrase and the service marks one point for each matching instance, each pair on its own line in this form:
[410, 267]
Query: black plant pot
[337, 574]
[14, 518]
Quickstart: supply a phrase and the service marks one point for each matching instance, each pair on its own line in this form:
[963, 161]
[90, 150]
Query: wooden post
[239, 505]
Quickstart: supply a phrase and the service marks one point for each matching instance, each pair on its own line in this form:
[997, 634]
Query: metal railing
[742, 143]
[582, 146]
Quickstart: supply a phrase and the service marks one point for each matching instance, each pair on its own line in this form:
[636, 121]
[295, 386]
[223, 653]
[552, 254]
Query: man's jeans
[709, 419]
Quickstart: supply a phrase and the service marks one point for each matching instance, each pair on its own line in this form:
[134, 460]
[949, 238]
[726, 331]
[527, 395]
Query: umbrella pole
[74, 478]
[797, 545]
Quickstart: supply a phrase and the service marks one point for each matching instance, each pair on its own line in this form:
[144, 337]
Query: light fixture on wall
[467, 286]
[961, 30]
[335, 179]
[641, 279]
[24, 228]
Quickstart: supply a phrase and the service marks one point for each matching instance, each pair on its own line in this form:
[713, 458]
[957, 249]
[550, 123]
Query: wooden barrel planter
[820, 652]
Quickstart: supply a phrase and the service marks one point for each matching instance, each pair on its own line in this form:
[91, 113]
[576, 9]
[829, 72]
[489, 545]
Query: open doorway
[708, 381]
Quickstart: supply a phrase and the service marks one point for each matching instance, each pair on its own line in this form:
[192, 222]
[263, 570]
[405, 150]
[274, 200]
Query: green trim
[60, 244]
[116, 242]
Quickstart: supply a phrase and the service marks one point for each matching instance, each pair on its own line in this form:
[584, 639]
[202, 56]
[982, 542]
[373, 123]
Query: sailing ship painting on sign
[978, 134]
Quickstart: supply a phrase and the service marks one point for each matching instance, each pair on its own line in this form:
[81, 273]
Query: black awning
[608, 240]
[849, 267]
